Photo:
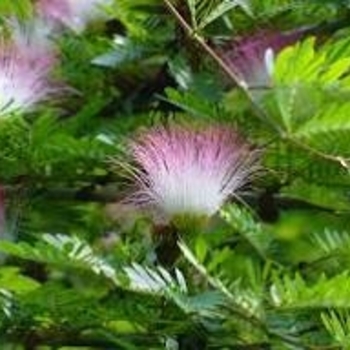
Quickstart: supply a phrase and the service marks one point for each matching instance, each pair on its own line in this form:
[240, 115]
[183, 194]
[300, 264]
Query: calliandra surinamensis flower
[251, 57]
[181, 171]
[24, 71]
[74, 14]
[33, 39]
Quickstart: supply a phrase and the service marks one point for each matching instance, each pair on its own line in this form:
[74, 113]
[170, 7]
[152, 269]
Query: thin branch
[221, 63]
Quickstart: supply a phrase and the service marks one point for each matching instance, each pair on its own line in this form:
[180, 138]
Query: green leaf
[337, 323]
[6, 302]
[331, 242]
[12, 280]
[306, 79]
[325, 196]
[201, 248]
[20, 8]
[204, 12]
[331, 248]
[245, 300]
[328, 130]
[192, 7]
[222, 8]
[298, 63]
[214, 282]
[124, 51]
[241, 220]
[63, 251]
[298, 293]
[154, 280]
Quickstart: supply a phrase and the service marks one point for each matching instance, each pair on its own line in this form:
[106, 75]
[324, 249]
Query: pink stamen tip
[247, 55]
[74, 14]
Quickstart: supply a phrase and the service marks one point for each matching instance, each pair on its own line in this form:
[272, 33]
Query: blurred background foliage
[79, 271]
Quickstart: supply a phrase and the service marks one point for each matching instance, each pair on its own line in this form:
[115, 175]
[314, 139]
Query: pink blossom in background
[187, 171]
[24, 82]
[33, 40]
[74, 14]
[27, 58]
[251, 57]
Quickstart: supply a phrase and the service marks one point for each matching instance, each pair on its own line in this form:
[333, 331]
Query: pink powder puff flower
[33, 40]
[74, 14]
[24, 81]
[26, 61]
[251, 57]
[183, 171]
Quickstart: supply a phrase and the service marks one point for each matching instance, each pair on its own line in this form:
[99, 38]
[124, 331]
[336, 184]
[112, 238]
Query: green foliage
[205, 12]
[337, 324]
[295, 10]
[242, 222]
[22, 9]
[137, 14]
[306, 77]
[81, 269]
[60, 250]
[324, 293]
